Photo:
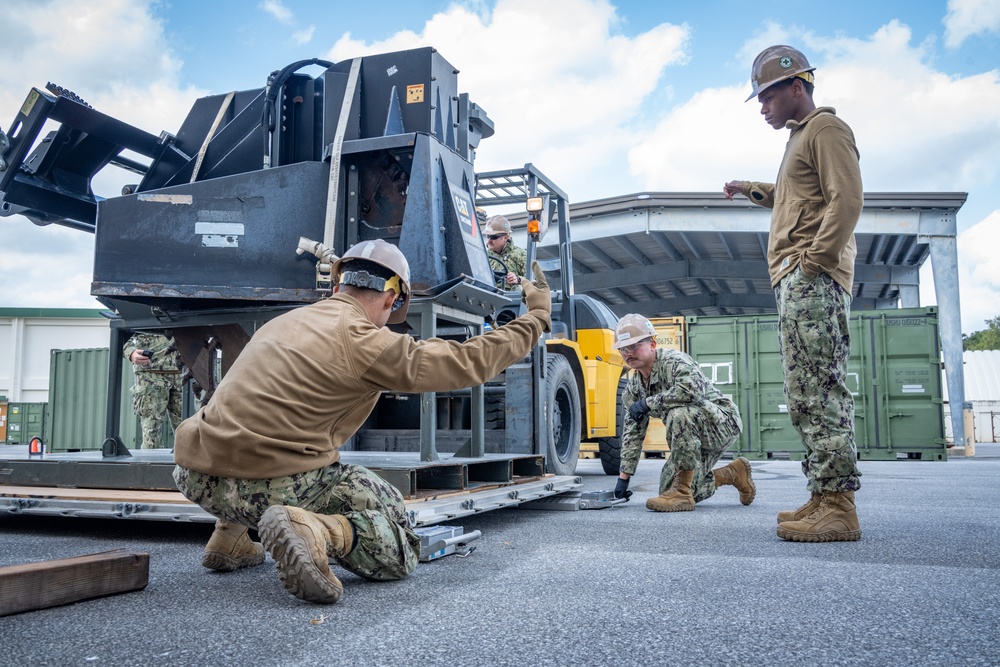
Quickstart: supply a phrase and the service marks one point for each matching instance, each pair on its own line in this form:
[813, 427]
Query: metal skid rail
[419, 512]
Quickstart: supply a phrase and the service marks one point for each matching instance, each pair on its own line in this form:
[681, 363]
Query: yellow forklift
[584, 376]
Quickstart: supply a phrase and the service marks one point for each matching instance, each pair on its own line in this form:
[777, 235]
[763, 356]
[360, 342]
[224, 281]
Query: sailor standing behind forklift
[320, 369]
[156, 394]
[701, 423]
[501, 246]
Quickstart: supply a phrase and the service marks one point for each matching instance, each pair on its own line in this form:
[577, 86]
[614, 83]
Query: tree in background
[987, 339]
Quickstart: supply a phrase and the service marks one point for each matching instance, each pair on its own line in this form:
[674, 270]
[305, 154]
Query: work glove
[638, 409]
[621, 489]
[537, 297]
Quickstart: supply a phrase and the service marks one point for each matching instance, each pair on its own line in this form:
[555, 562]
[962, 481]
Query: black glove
[638, 409]
[621, 489]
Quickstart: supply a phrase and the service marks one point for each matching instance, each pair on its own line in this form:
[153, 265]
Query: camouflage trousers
[815, 345]
[385, 548]
[156, 396]
[698, 435]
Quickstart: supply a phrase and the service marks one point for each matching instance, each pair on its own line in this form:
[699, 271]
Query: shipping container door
[908, 383]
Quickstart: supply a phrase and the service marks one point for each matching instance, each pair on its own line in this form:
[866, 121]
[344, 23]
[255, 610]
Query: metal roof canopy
[693, 253]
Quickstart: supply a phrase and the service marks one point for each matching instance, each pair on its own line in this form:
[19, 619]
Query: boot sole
[828, 536]
[221, 562]
[753, 487]
[296, 569]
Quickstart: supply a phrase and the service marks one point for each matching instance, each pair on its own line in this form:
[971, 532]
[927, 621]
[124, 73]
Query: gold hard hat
[775, 64]
[389, 256]
[631, 329]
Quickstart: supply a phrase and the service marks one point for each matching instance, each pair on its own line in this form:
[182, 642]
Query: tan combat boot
[738, 474]
[678, 497]
[230, 548]
[834, 520]
[800, 513]
[301, 543]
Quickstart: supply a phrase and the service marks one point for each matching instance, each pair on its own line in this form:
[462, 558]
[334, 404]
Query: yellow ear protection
[368, 281]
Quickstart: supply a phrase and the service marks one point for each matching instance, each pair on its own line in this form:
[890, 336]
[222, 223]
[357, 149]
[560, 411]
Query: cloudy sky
[607, 98]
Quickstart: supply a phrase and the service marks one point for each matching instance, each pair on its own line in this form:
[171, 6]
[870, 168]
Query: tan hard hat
[631, 329]
[775, 64]
[384, 254]
[497, 225]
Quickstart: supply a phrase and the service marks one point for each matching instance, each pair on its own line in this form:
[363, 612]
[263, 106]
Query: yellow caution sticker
[415, 93]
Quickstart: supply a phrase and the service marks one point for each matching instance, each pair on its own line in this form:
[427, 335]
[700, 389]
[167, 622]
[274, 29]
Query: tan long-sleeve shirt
[816, 201]
[308, 379]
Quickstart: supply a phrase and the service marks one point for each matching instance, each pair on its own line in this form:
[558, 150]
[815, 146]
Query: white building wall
[982, 390]
[27, 337]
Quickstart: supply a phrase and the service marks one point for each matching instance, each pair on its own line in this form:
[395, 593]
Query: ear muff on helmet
[368, 281]
[386, 255]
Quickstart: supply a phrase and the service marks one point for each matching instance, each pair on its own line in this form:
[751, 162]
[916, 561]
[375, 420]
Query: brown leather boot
[834, 520]
[301, 543]
[678, 497]
[738, 474]
[230, 548]
[800, 513]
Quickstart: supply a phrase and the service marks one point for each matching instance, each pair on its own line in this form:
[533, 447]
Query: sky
[606, 98]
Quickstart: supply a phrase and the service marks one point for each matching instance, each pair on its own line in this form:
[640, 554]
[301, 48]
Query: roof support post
[944, 264]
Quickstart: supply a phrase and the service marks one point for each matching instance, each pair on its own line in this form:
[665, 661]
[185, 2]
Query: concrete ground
[614, 587]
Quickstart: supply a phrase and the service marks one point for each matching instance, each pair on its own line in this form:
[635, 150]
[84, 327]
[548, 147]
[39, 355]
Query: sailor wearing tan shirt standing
[816, 202]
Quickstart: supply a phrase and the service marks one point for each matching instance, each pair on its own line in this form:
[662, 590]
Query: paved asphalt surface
[613, 587]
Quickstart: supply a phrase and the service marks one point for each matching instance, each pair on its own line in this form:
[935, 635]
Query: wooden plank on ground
[113, 495]
[58, 582]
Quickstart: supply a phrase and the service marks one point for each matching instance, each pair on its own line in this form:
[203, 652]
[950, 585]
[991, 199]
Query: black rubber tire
[562, 417]
[611, 448]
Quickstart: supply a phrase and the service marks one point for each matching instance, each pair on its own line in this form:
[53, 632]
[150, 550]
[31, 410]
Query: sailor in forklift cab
[501, 246]
[701, 423]
[264, 454]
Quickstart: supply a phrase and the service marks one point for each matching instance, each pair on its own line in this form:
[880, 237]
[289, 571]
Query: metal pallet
[420, 512]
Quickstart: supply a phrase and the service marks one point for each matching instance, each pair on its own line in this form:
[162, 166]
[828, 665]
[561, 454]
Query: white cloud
[570, 87]
[113, 54]
[917, 129]
[278, 10]
[979, 272]
[966, 18]
[304, 36]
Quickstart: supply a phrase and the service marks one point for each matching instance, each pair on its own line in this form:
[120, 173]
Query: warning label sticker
[415, 93]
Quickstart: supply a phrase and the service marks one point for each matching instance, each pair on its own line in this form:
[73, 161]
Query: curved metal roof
[687, 253]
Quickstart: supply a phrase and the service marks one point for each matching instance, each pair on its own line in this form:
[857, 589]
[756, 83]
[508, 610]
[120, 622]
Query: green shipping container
[893, 373]
[77, 408]
[25, 421]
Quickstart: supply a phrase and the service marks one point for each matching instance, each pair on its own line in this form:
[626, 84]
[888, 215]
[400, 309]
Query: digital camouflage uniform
[516, 260]
[385, 548]
[815, 345]
[157, 390]
[701, 423]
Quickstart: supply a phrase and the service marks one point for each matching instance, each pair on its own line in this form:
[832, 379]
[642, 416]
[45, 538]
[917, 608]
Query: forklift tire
[562, 417]
[611, 448]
